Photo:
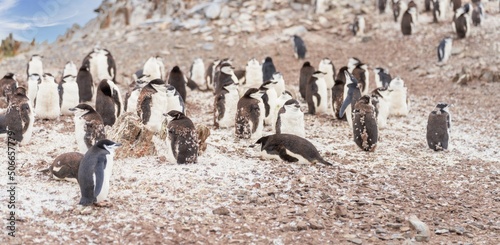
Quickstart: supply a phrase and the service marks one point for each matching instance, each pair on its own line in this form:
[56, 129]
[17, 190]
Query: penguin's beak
[117, 144]
[297, 106]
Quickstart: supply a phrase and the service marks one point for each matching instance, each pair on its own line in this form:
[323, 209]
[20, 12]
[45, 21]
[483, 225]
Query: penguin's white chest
[132, 100]
[398, 105]
[70, 97]
[47, 103]
[270, 119]
[231, 106]
[158, 107]
[80, 134]
[260, 122]
[107, 176]
[198, 73]
[383, 112]
[32, 91]
[292, 122]
[322, 91]
[173, 103]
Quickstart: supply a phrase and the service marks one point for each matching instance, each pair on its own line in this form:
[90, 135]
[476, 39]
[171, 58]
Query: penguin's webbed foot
[103, 204]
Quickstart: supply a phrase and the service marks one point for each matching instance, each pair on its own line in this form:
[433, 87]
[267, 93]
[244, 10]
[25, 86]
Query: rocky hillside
[403, 193]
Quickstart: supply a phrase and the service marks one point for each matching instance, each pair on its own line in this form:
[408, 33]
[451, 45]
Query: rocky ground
[233, 196]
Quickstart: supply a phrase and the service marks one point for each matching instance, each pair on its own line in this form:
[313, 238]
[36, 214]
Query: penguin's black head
[287, 92]
[9, 75]
[176, 69]
[108, 145]
[293, 102]
[82, 107]
[251, 91]
[365, 99]
[21, 91]
[262, 141]
[174, 115]
[341, 74]
[306, 64]
[268, 60]
[442, 106]
[157, 82]
[104, 87]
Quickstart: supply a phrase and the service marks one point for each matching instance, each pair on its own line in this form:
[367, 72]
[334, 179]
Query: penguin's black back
[305, 74]
[85, 83]
[176, 79]
[268, 69]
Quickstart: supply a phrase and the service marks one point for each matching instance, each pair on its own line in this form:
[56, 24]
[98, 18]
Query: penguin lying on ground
[65, 166]
[290, 148]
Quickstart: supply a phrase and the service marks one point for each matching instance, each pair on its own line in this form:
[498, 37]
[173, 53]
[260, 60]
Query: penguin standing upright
[268, 69]
[365, 128]
[34, 72]
[178, 80]
[358, 27]
[182, 138]
[380, 99]
[444, 49]
[68, 89]
[326, 66]
[108, 102]
[338, 93]
[151, 104]
[8, 85]
[47, 98]
[249, 117]
[477, 13]
[89, 126]
[461, 21]
[382, 77]
[317, 94]
[85, 84]
[197, 72]
[291, 119]
[398, 97]
[381, 6]
[269, 100]
[253, 74]
[290, 148]
[281, 100]
[438, 127]
[224, 75]
[174, 100]
[396, 9]
[360, 71]
[299, 47]
[351, 95]
[210, 73]
[132, 96]
[407, 21]
[224, 105]
[19, 116]
[95, 171]
[153, 69]
[280, 83]
[101, 64]
[305, 74]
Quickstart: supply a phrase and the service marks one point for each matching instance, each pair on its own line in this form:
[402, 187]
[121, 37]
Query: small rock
[459, 230]
[302, 225]
[212, 11]
[340, 211]
[423, 232]
[441, 231]
[323, 21]
[394, 225]
[355, 240]
[221, 211]
[208, 46]
[316, 225]
[295, 30]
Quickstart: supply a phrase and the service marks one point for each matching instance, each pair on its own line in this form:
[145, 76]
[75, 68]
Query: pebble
[221, 211]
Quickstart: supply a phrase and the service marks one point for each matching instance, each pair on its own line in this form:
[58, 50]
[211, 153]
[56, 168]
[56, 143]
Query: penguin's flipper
[192, 84]
[99, 174]
[284, 156]
[118, 102]
[346, 103]
[254, 115]
[219, 105]
[265, 100]
[145, 109]
[60, 89]
[25, 116]
[174, 142]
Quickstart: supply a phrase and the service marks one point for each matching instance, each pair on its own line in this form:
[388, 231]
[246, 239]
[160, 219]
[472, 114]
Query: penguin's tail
[325, 162]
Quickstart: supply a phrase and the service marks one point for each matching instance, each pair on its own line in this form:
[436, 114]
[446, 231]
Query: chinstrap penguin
[225, 105]
[197, 72]
[444, 49]
[89, 126]
[290, 148]
[365, 128]
[438, 127]
[108, 102]
[249, 116]
[351, 95]
[290, 119]
[382, 77]
[19, 117]
[65, 166]
[85, 83]
[268, 69]
[47, 98]
[317, 94]
[299, 47]
[151, 104]
[178, 80]
[68, 89]
[305, 74]
[95, 171]
[182, 138]
[398, 97]
[174, 100]
[34, 72]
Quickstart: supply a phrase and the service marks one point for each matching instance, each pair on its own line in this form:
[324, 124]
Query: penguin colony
[245, 102]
